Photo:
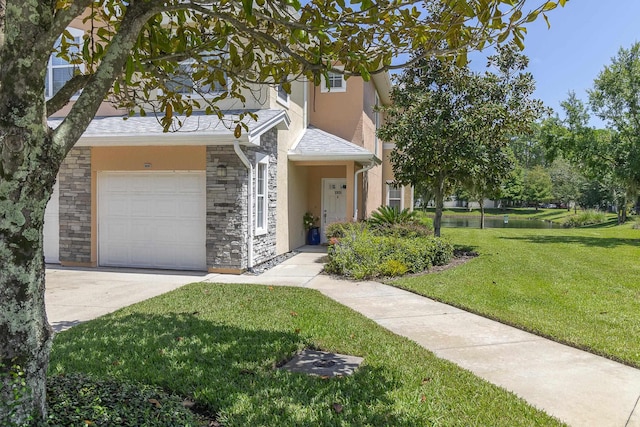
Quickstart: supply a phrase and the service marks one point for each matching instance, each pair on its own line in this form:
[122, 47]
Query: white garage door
[52, 227]
[152, 220]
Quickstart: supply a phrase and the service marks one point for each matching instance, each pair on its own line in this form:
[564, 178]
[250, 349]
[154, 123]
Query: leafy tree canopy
[451, 126]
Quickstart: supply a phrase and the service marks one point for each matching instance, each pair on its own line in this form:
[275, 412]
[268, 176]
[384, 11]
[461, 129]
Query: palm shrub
[386, 215]
[388, 221]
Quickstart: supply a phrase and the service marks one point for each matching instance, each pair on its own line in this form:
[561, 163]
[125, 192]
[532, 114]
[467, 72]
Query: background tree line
[448, 146]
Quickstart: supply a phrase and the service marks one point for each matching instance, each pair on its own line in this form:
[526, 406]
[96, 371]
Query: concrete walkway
[577, 387]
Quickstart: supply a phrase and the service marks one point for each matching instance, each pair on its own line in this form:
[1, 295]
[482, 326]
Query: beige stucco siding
[339, 113]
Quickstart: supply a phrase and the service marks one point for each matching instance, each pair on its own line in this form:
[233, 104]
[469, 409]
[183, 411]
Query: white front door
[51, 230]
[152, 219]
[334, 203]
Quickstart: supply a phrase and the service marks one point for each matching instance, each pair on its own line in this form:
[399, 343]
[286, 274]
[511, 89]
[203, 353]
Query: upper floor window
[394, 197]
[335, 82]
[283, 96]
[59, 70]
[182, 82]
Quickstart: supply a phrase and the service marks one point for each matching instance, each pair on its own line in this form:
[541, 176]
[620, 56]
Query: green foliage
[567, 182]
[636, 223]
[386, 215]
[388, 221]
[343, 229]
[393, 268]
[78, 399]
[443, 123]
[309, 221]
[424, 219]
[537, 185]
[588, 217]
[13, 377]
[367, 254]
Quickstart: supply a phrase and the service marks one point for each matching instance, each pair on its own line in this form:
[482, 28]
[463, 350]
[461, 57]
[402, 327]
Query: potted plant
[311, 225]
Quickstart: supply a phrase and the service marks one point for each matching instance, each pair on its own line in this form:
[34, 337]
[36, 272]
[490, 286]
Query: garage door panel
[159, 217]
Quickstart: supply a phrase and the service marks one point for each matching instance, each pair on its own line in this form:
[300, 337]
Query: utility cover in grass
[322, 363]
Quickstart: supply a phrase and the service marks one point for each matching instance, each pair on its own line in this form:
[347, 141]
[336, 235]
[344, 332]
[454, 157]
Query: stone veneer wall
[264, 246]
[226, 210]
[75, 206]
[227, 227]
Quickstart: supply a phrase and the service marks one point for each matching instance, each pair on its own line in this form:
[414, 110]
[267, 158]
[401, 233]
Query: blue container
[313, 236]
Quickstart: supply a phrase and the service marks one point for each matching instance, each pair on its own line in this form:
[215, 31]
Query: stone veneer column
[75, 207]
[264, 246]
[226, 211]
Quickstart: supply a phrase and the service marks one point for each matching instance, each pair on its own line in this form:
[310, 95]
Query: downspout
[247, 164]
[355, 188]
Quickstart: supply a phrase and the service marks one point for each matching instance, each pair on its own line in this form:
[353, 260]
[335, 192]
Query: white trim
[325, 88]
[262, 161]
[388, 146]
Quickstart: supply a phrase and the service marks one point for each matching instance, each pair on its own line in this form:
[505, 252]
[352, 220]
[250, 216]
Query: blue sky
[583, 37]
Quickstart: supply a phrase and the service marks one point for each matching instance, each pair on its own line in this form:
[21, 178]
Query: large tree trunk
[26, 181]
[28, 165]
[481, 202]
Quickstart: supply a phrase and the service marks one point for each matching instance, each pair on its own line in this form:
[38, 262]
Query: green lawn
[515, 213]
[578, 286]
[218, 344]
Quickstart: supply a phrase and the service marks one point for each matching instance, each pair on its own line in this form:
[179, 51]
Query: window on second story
[283, 96]
[182, 82]
[59, 70]
[334, 83]
[394, 197]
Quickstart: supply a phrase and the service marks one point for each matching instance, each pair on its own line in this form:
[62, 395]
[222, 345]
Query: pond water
[496, 222]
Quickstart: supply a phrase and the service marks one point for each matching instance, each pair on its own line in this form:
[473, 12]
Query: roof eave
[360, 158]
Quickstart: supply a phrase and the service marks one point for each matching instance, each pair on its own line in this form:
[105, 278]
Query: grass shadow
[226, 369]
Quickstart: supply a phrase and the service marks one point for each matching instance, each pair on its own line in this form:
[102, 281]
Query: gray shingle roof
[197, 126]
[317, 144]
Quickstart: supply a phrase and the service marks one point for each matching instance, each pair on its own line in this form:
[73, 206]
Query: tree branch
[63, 96]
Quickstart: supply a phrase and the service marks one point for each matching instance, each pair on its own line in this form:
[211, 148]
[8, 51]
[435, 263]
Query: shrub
[81, 400]
[387, 221]
[589, 217]
[385, 215]
[392, 268]
[366, 254]
[424, 219]
[341, 229]
[407, 230]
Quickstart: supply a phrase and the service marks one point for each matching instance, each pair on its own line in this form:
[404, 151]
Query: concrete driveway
[76, 295]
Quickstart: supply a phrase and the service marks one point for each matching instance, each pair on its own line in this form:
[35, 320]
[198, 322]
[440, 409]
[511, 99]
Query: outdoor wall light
[222, 171]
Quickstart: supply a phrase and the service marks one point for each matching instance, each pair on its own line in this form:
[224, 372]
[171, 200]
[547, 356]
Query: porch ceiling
[318, 145]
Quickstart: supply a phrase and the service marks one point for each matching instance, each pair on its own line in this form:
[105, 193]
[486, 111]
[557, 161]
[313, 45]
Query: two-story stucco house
[131, 195]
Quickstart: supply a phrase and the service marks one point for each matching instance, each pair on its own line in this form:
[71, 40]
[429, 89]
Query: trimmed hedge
[359, 252]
